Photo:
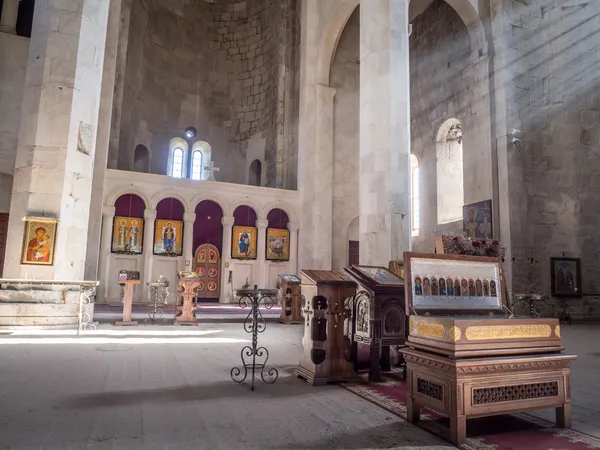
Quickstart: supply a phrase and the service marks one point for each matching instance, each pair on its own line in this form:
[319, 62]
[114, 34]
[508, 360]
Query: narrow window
[196, 165]
[177, 170]
[415, 199]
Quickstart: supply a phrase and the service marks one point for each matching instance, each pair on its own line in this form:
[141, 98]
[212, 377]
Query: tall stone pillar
[148, 252]
[226, 296]
[261, 249]
[102, 138]
[323, 200]
[384, 194]
[56, 146]
[188, 240]
[10, 13]
[293, 227]
[108, 216]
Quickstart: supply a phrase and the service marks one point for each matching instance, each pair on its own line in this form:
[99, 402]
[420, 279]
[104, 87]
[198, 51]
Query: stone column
[148, 252]
[293, 227]
[261, 248]
[102, 138]
[323, 200]
[188, 240]
[384, 194]
[227, 223]
[56, 146]
[108, 215]
[8, 20]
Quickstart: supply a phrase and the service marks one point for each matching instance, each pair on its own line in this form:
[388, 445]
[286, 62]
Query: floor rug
[508, 432]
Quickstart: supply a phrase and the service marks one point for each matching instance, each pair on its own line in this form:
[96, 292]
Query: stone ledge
[38, 296]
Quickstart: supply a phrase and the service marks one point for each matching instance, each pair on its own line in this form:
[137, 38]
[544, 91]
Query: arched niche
[244, 216]
[170, 209]
[450, 178]
[278, 218]
[141, 159]
[129, 205]
[255, 173]
[208, 227]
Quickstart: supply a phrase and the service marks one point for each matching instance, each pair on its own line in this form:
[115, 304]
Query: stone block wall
[13, 64]
[551, 63]
[212, 64]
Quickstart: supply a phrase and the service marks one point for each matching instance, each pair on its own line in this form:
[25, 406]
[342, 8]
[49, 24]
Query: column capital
[227, 221]
[189, 217]
[108, 211]
[262, 223]
[293, 226]
[149, 214]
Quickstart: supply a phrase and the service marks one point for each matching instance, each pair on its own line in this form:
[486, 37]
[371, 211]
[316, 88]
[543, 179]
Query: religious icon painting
[244, 242]
[418, 286]
[212, 272]
[493, 288]
[434, 286]
[442, 286]
[39, 241]
[278, 244]
[477, 220]
[200, 271]
[127, 235]
[213, 256]
[450, 286]
[426, 286]
[212, 286]
[201, 257]
[464, 288]
[479, 288]
[457, 288]
[566, 277]
[168, 237]
[486, 288]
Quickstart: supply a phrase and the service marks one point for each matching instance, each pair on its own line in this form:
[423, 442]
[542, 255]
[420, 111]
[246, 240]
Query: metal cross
[212, 168]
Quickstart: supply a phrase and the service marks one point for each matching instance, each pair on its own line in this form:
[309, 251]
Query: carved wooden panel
[515, 392]
[430, 389]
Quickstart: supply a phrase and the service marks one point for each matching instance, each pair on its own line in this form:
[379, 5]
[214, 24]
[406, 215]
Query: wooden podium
[187, 287]
[323, 360]
[127, 279]
[292, 300]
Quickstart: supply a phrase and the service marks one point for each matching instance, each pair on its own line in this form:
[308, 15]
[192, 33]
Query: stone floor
[149, 390]
[153, 387]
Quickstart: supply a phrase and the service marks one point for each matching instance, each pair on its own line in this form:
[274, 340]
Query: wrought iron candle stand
[254, 324]
[158, 295]
[531, 301]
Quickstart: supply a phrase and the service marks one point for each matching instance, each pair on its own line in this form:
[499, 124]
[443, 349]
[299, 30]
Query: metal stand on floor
[254, 324]
[158, 295]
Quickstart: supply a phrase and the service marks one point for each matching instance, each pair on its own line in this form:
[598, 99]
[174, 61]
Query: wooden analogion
[127, 279]
[291, 305]
[379, 318]
[467, 356]
[187, 286]
[329, 296]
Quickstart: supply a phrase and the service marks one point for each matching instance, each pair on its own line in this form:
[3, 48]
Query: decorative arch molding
[340, 15]
[124, 190]
[285, 207]
[170, 194]
[259, 210]
[227, 212]
[442, 134]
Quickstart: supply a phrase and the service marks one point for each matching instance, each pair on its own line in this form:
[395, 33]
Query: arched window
[141, 159]
[197, 168]
[177, 170]
[415, 195]
[450, 191]
[255, 173]
[201, 156]
[177, 162]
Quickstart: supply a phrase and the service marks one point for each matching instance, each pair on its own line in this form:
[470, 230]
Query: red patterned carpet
[517, 431]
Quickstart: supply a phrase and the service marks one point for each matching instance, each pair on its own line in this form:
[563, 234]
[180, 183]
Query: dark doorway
[353, 253]
[3, 233]
[255, 173]
[141, 159]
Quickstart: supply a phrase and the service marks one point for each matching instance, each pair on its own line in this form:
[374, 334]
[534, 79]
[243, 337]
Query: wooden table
[186, 289]
[127, 303]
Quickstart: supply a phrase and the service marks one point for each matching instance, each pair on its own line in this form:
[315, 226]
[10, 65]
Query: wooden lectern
[127, 279]
[330, 293]
[187, 287]
[292, 300]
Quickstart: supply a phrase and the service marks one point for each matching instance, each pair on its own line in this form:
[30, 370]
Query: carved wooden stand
[127, 303]
[186, 289]
[478, 387]
[291, 300]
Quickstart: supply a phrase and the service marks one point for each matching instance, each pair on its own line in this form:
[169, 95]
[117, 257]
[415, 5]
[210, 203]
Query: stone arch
[170, 194]
[114, 195]
[227, 211]
[141, 159]
[246, 201]
[285, 207]
[340, 15]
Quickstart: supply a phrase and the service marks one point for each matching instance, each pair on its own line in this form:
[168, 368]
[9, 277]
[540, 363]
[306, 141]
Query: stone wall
[13, 63]
[551, 80]
[212, 64]
[446, 84]
[345, 78]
